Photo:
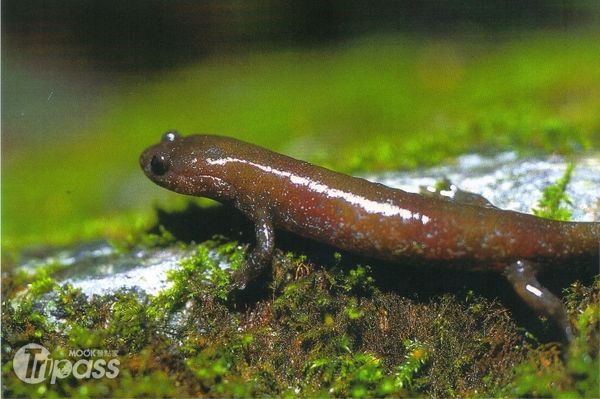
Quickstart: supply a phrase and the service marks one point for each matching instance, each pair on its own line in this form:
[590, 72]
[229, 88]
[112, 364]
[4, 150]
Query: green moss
[358, 281]
[20, 316]
[128, 322]
[416, 358]
[163, 238]
[550, 205]
[218, 372]
[363, 375]
[314, 333]
[199, 275]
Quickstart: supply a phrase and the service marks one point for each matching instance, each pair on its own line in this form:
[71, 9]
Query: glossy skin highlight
[359, 216]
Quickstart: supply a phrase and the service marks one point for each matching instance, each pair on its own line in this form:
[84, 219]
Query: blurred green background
[354, 86]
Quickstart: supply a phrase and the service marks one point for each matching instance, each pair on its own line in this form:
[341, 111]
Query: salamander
[371, 219]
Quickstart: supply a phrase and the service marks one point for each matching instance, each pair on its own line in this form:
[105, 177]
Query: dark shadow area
[420, 282]
[197, 224]
[156, 34]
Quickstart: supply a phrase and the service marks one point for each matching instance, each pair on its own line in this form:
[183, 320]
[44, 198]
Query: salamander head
[180, 164]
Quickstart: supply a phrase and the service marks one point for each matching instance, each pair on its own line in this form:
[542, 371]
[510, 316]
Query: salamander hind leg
[261, 255]
[446, 190]
[522, 275]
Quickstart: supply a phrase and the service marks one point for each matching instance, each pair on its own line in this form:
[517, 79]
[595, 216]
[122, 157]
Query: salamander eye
[159, 165]
[171, 135]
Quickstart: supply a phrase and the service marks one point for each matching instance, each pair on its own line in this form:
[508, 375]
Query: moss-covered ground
[311, 331]
[335, 325]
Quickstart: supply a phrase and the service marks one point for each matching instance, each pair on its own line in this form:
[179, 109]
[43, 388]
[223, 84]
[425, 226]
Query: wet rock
[511, 183]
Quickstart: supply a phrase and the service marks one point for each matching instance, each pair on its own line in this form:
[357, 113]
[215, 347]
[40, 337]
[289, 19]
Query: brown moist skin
[356, 215]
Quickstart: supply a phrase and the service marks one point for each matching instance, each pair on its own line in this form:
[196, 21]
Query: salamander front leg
[261, 255]
[521, 275]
